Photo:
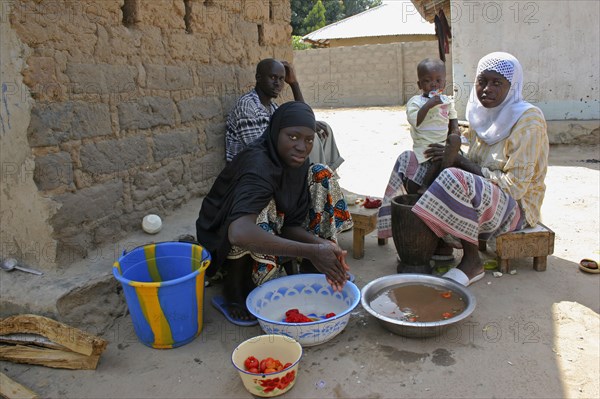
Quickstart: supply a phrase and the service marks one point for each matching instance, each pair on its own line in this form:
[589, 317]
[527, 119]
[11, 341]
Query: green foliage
[335, 10]
[300, 9]
[315, 18]
[297, 44]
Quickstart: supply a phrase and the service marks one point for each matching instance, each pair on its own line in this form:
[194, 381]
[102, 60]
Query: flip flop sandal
[223, 306]
[460, 277]
[589, 266]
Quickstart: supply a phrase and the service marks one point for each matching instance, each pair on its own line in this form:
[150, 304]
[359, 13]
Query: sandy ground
[533, 334]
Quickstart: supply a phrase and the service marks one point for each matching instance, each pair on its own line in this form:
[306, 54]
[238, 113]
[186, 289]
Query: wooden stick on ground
[72, 338]
[53, 344]
[13, 390]
[48, 357]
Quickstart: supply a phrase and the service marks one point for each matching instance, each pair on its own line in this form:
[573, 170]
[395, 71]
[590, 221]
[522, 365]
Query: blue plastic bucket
[164, 290]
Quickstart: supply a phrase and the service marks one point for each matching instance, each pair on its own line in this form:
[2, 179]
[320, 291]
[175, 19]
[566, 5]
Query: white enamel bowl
[279, 347]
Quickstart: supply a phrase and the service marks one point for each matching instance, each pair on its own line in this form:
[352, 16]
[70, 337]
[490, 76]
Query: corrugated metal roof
[388, 19]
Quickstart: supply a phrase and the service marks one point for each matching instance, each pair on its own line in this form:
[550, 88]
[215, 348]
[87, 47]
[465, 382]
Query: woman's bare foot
[239, 311]
[470, 263]
[236, 287]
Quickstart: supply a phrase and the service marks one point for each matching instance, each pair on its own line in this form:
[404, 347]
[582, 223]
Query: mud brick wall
[128, 101]
[368, 75]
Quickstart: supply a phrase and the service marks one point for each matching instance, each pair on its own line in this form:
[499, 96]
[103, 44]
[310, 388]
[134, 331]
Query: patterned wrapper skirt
[406, 168]
[328, 215]
[458, 203]
[468, 207]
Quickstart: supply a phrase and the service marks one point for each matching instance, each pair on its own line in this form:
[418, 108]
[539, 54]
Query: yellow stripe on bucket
[199, 265]
[199, 298]
[118, 266]
[155, 317]
[150, 253]
[196, 257]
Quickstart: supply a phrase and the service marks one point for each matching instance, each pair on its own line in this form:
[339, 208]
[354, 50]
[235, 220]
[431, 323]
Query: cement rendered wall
[106, 119]
[371, 75]
[557, 44]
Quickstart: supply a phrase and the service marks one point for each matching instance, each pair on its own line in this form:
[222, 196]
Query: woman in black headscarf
[262, 205]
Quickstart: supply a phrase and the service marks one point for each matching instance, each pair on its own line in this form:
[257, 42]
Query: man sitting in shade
[250, 116]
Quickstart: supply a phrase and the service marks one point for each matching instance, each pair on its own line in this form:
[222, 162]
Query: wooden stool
[365, 221]
[536, 242]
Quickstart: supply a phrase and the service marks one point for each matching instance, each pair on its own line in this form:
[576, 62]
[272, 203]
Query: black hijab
[251, 180]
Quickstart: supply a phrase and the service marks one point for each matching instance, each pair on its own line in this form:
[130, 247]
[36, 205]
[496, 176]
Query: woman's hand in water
[330, 260]
[335, 285]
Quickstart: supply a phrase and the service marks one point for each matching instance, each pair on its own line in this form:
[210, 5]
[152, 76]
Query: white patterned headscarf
[495, 124]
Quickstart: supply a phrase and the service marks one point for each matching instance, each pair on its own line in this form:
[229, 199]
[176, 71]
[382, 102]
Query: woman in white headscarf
[499, 185]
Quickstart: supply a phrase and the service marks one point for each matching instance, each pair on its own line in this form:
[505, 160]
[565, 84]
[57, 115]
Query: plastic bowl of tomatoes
[267, 364]
[303, 307]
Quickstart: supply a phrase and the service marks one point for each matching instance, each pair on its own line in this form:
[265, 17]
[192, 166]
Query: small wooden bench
[536, 242]
[365, 221]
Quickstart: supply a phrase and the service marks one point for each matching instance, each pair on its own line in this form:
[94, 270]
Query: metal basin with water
[415, 329]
